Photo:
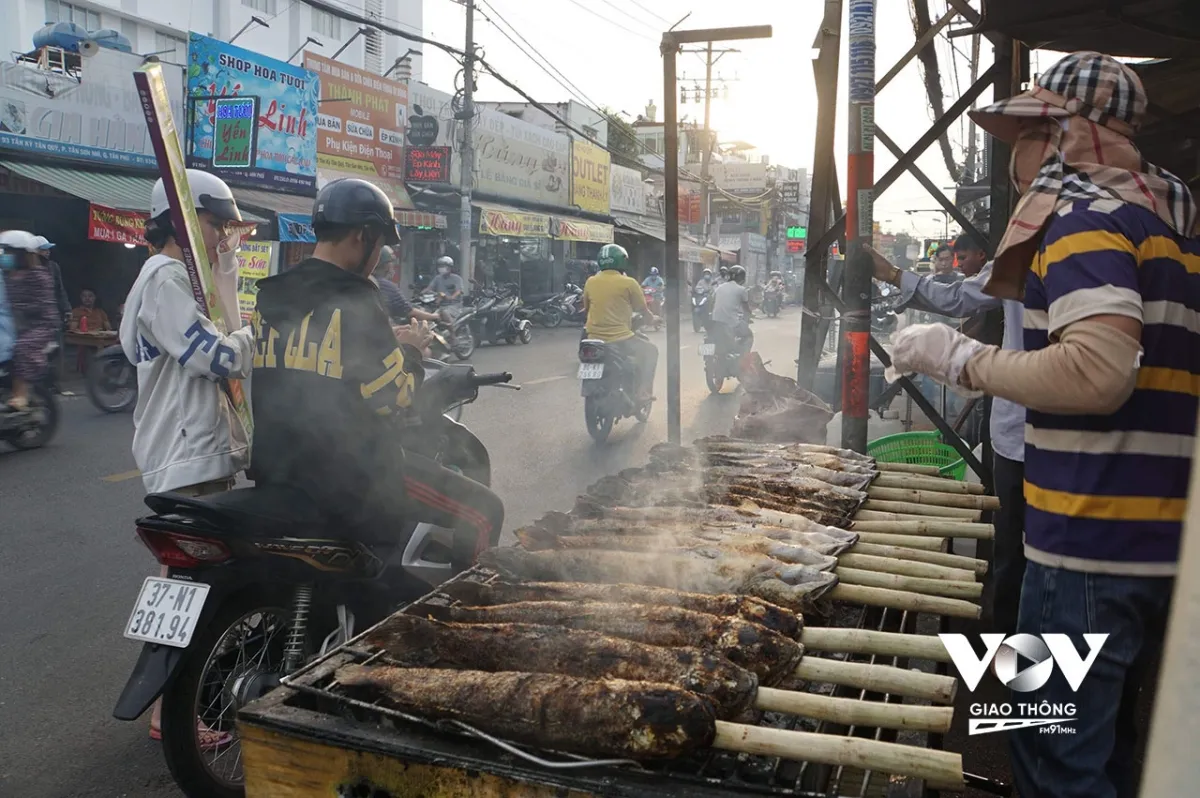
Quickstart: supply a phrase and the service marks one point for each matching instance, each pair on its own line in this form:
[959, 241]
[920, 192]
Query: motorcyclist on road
[776, 281]
[704, 284]
[398, 308]
[333, 387]
[654, 280]
[723, 272]
[448, 285]
[610, 300]
[731, 312]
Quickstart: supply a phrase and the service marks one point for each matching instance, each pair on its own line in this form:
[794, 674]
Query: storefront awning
[270, 202]
[501, 220]
[647, 227]
[123, 192]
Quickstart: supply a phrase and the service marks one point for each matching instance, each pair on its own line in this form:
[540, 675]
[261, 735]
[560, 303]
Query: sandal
[210, 739]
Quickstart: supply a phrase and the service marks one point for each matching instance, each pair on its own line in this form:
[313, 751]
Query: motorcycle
[495, 316]
[259, 583]
[772, 302]
[112, 381]
[542, 309]
[34, 426]
[701, 308]
[721, 361]
[608, 384]
[453, 332]
[654, 303]
[571, 305]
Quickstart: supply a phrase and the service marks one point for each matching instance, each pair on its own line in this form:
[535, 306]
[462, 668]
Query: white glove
[936, 350]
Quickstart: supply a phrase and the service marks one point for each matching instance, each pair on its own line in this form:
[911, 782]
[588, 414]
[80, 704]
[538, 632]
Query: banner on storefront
[116, 226]
[517, 224]
[295, 228]
[284, 155]
[689, 208]
[626, 191]
[254, 263]
[90, 115]
[576, 230]
[589, 176]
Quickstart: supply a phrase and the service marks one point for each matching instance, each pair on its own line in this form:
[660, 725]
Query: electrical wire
[609, 21]
[664, 20]
[620, 10]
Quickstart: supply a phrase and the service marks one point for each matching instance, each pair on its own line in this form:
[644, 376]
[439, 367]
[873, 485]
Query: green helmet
[612, 256]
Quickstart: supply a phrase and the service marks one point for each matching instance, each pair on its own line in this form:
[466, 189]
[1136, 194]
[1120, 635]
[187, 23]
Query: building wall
[155, 25]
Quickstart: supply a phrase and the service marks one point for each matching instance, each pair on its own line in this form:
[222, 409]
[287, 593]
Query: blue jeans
[1097, 761]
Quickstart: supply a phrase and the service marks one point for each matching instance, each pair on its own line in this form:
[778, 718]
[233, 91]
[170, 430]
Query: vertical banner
[254, 263]
[156, 105]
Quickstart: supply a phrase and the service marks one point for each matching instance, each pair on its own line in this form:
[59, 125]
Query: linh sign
[284, 153]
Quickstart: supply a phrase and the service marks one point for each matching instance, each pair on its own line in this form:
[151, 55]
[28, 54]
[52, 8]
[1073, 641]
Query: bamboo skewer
[913, 482]
[871, 521]
[921, 509]
[868, 641]
[904, 600]
[910, 468]
[939, 769]
[914, 542]
[938, 499]
[852, 712]
[911, 584]
[953, 561]
[903, 567]
[879, 679]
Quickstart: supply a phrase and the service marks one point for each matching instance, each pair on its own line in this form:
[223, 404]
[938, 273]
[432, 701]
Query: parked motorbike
[542, 309]
[495, 316]
[112, 381]
[35, 426]
[772, 302]
[722, 357]
[609, 385]
[454, 332]
[654, 303]
[571, 305]
[701, 308]
[260, 583]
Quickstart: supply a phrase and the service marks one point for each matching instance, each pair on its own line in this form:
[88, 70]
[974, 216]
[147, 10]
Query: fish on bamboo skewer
[769, 655]
[777, 619]
[796, 587]
[727, 445]
[617, 718]
[410, 641]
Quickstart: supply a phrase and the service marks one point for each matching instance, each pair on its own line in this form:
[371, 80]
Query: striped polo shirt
[1107, 494]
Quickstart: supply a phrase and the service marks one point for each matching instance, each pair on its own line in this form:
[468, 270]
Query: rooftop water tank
[64, 35]
[112, 39]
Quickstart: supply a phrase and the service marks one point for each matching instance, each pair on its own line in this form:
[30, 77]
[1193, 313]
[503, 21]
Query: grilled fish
[769, 655]
[605, 718]
[748, 608]
[422, 643]
[696, 571]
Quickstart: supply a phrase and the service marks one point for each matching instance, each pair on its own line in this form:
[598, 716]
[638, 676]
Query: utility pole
[706, 155]
[467, 153]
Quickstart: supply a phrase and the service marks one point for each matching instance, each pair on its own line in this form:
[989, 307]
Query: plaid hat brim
[1003, 119]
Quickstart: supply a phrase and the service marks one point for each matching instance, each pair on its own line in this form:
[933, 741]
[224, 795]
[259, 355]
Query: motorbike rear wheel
[464, 344]
[526, 335]
[598, 426]
[715, 383]
[697, 323]
[551, 318]
[243, 642]
[45, 406]
[112, 385]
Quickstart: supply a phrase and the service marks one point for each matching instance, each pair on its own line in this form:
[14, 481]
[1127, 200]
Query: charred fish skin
[748, 608]
[601, 718]
[419, 642]
[769, 655]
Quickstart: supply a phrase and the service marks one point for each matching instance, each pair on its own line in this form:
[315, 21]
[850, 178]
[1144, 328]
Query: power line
[609, 21]
[664, 20]
[620, 10]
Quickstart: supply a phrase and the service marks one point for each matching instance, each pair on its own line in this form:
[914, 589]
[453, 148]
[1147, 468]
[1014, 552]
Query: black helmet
[737, 274]
[351, 202]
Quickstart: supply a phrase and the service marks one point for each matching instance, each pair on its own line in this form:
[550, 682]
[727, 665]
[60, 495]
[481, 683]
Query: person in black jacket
[332, 386]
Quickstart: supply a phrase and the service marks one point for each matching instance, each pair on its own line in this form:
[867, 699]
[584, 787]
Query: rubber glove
[936, 350]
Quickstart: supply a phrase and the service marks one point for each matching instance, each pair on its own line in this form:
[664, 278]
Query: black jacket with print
[328, 384]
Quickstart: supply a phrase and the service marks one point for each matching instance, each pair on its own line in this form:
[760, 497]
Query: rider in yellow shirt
[610, 300]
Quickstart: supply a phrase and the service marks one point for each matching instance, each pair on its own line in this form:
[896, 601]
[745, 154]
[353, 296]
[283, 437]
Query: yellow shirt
[612, 299]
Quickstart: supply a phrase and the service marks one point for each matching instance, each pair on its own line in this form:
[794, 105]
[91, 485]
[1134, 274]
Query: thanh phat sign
[283, 154]
[97, 118]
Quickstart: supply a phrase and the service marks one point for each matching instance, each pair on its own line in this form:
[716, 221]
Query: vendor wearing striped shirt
[1100, 248]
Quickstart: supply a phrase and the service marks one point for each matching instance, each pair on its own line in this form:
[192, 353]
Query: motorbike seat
[260, 511]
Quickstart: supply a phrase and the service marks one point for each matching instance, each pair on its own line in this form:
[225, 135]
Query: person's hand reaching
[417, 335]
[884, 271]
[936, 350]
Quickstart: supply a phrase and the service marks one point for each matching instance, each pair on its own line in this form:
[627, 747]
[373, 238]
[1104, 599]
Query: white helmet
[445, 260]
[43, 243]
[209, 193]
[19, 239]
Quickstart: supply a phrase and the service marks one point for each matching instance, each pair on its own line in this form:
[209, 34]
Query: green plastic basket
[919, 448]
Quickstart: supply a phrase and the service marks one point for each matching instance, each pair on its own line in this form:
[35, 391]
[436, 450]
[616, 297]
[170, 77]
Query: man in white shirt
[731, 310]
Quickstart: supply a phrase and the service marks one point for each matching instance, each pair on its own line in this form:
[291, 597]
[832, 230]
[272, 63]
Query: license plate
[166, 611]
[591, 371]
[708, 349]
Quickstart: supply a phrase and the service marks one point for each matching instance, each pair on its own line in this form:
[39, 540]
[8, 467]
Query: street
[72, 565]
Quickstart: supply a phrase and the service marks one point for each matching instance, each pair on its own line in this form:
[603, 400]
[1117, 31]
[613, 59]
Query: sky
[609, 50]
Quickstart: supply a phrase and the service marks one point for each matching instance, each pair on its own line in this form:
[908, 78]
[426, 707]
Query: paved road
[71, 565]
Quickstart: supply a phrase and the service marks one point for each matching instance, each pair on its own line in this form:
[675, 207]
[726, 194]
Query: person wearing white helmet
[30, 291]
[45, 249]
[446, 282]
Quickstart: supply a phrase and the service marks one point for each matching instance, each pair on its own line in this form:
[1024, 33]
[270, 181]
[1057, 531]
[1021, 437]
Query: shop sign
[96, 118]
[689, 208]
[742, 178]
[362, 118]
[296, 228]
[519, 160]
[516, 224]
[254, 263]
[116, 226]
[690, 253]
[576, 230]
[590, 167]
[626, 191]
[284, 155]
[234, 131]
[755, 242]
[427, 165]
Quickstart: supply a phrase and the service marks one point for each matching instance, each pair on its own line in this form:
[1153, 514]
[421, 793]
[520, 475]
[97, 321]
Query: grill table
[306, 739]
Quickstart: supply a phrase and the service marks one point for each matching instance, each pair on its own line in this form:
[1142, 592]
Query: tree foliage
[622, 140]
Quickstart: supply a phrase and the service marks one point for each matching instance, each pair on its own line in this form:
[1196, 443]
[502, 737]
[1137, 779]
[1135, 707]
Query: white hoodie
[185, 430]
